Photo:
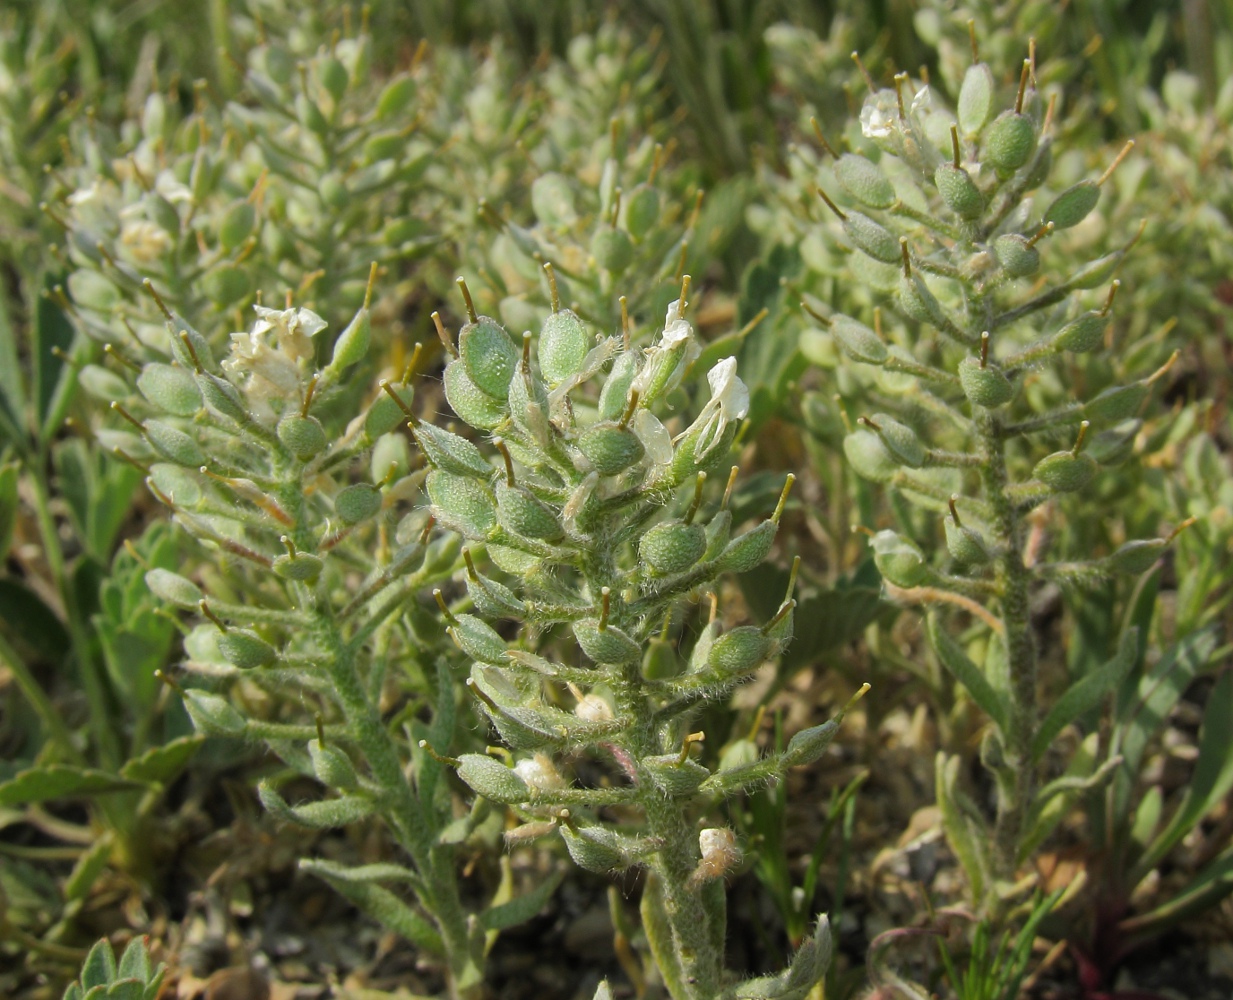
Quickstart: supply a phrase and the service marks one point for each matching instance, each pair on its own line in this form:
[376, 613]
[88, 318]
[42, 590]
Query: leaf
[55, 781]
[522, 909]
[962, 838]
[53, 379]
[30, 623]
[966, 673]
[382, 905]
[127, 989]
[99, 968]
[163, 763]
[12, 392]
[1086, 693]
[88, 868]
[658, 930]
[1208, 888]
[8, 507]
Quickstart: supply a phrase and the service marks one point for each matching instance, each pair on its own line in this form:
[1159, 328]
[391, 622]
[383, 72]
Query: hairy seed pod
[1083, 333]
[1115, 404]
[1114, 446]
[1017, 257]
[352, 344]
[462, 503]
[1009, 142]
[467, 400]
[641, 210]
[608, 645]
[227, 284]
[610, 448]
[810, 744]
[1065, 472]
[304, 437]
[674, 777]
[529, 407]
[739, 651]
[966, 545]
[718, 534]
[174, 445]
[1096, 272]
[384, 414]
[862, 179]
[868, 455]
[959, 191]
[1138, 556]
[172, 389]
[333, 76]
[562, 347]
[391, 458]
[614, 397]
[237, 224]
[857, 341]
[552, 201]
[332, 767]
[521, 512]
[489, 355]
[917, 301]
[213, 715]
[672, 547]
[358, 503]
[746, 551]
[395, 98]
[301, 566]
[900, 440]
[492, 779]
[223, 397]
[494, 600]
[612, 249]
[173, 588]
[244, 649]
[594, 848]
[448, 452]
[1073, 205]
[105, 385]
[478, 639]
[872, 238]
[898, 559]
[986, 386]
[196, 353]
[975, 98]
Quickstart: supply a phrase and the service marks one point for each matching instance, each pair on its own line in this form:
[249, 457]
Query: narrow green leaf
[56, 781]
[88, 868]
[383, 906]
[12, 391]
[959, 833]
[1209, 887]
[8, 507]
[53, 333]
[966, 673]
[523, 908]
[658, 930]
[163, 763]
[30, 623]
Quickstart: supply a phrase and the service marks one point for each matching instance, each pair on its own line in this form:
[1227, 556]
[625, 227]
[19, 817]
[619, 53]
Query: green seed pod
[226, 285]
[552, 201]
[864, 181]
[614, 397]
[212, 715]
[986, 386]
[494, 600]
[594, 848]
[301, 566]
[244, 649]
[660, 661]
[1065, 472]
[492, 779]
[900, 440]
[612, 249]
[521, 512]
[959, 191]
[562, 347]
[810, 744]
[857, 341]
[332, 190]
[897, 559]
[304, 437]
[352, 344]
[1115, 445]
[610, 448]
[182, 486]
[173, 588]
[746, 551]
[975, 98]
[1017, 257]
[1117, 403]
[685, 462]
[489, 355]
[174, 445]
[718, 534]
[334, 77]
[1010, 142]
[386, 145]
[162, 213]
[105, 385]
[462, 504]
[237, 224]
[448, 452]
[917, 302]
[358, 503]
[672, 547]
[674, 777]
[391, 459]
[966, 545]
[223, 397]
[466, 399]
[1096, 272]
[93, 291]
[1073, 205]
[739, 651]
[478, 640]
[528, 407]
[641, 210]
[172, 389]
[398, 93]
[200, 356]
[609, 645]
[1138, 556]
[332, 767]
[309, 115]
[384, 414]
[868, 455]
[1084, 333]
[737, 754]
[871, 237]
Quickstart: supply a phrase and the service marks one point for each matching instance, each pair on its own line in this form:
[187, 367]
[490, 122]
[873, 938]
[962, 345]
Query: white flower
[875, 122]
[676, 327]
[539, 774]
[171, 187]
[923, 100]
[729, 401]
[668, 360]
[145, 241]
[654, 437]
[294, 329]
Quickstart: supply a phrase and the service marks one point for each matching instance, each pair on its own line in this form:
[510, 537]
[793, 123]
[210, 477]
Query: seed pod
[212, 715]
[1084, 333]
[332, 767]
[739, 651]
[718, 534]
[610, 448]
[1073, 205]
[810, 744]
[1064, 471]
[1115, 445]
[489, 355]
[959, 191]
[966, 545]
[975, 98]
[352, 344]
[174, 445]
[672, 547]
[521, 512]
[384, 414]
[898, 559]
[103, 384]
[492, 779]
[332, 189]
[984, 386]
[1117, 403]
[869, 456]
[478, 639]
[1018, 258]
[872, 237]
[1096, 272]
[462, 504]
[391, 459]
[552, 201]
[900, 440]
[304, 437]
[93, 291]
[227, 285]
[641, 210]
[173, 588]
[862, 179]
[857, 341]
[334, 77]
[674, 777]
[237, 224]
[612, 249]
[1138, 556]
[301, 566]
[180, 485]
[563, 345]
[917, 302]
[200, 354]
[746, 551]
[448, 452]
[660, 661]
[386, 145]
[398, 93]
[244, 649]
[614, 397]
[594, 848]
[467, 400]
[609, 645]
[1010, 142]
[358, 503]
[223, 397]
[172, 389]
[494, 600]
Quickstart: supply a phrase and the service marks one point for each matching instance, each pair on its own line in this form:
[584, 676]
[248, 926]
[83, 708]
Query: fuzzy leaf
[162, 764]
[523, 908]
[966, 673]
[99, 968]
[38, 784]
[658, 929]
[383, 906]
[964, 840]
[88, 868]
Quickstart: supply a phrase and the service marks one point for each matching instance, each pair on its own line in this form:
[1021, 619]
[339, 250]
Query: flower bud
[492, 779]
[489, 355]
[672, 547]
[720, 855]
[539, 774]
[562, 347]
[332, 767]
[984, 385]
[898, 559]
[172, 389]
